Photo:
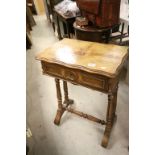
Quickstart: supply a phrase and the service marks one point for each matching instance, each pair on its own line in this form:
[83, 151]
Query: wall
[39, 4]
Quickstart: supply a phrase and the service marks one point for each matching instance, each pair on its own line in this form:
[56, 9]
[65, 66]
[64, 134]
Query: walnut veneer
[92, 65]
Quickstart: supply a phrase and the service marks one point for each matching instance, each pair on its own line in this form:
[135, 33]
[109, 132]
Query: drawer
[71, 75]
[75, 76]
[52, 70]
[84, 78]
[92, 80]
[60, 71]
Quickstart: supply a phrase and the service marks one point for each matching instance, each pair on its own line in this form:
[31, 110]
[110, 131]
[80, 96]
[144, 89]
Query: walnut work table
[93, 65]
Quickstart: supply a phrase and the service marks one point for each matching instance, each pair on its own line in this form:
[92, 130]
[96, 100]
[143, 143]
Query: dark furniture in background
[58, 18]
[91, 33]
[32, 7]
[103, 17]
[121, 37]
[30, 22]
[124, 39]
[28, 41]
[29, 18]
[49, 8]
[96, 34]
[102, 13]
[53, 3]
[67, 24]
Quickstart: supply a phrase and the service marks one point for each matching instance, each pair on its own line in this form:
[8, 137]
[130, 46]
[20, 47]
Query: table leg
[68, 30]
[115, 103]
[67, 101]
[109, 124]
[60, 110]
[64, 28]
[53, 25]
[58, 28]
[107, 36]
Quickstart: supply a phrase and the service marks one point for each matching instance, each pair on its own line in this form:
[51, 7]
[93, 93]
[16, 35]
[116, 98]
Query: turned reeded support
[115, 102]
[67, 101]
[60, 110]
[109, 118]
[111, 108]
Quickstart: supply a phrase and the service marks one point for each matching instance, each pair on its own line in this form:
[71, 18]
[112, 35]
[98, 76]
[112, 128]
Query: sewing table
[93, 65]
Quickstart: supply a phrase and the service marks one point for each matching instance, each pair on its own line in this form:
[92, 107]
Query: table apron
[79, 77]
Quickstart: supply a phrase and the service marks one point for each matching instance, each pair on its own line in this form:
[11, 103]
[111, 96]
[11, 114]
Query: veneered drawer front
[51, 69]
[71, 75]
[92, 80]
[75, 76]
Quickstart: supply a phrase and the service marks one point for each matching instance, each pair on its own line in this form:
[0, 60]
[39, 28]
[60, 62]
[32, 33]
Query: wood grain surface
[103, 59]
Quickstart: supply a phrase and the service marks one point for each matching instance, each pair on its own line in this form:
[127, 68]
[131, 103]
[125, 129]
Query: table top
[103, 59]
